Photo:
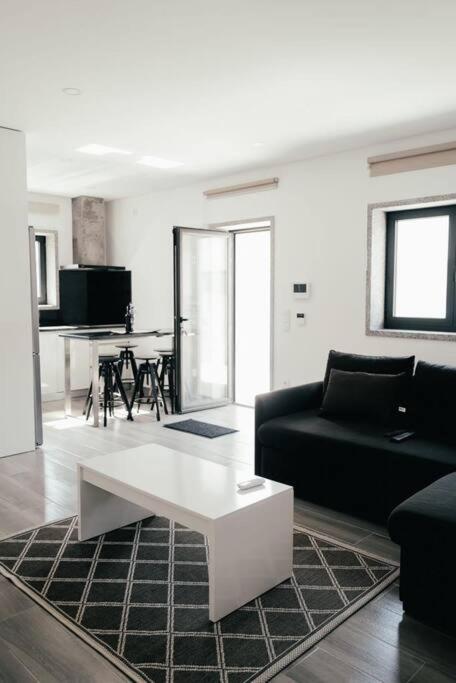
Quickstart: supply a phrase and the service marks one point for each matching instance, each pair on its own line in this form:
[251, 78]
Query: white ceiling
[202, 81]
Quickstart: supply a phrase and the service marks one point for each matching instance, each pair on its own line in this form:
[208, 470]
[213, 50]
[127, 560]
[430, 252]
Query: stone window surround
[375, 274]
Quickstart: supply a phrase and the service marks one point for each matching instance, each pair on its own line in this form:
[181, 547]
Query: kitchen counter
[91, 340]
[63, 328]
[109, 335]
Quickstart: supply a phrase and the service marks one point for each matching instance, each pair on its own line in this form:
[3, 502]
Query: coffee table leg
[250, 552]
[100, 511]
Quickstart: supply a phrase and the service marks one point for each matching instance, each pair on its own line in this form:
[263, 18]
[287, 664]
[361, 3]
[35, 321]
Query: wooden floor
[377, 644]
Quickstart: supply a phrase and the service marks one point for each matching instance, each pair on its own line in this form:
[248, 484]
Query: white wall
[49, 212]
[17, 431]
[320, 210]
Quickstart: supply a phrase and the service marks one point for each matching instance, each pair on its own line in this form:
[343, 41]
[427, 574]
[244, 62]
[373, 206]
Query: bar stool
[148, 370]
[167, 372]
[127, 358]
[108, 371]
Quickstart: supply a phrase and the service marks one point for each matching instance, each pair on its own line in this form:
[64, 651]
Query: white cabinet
[80, 365]
[52, 357]
[49, 364]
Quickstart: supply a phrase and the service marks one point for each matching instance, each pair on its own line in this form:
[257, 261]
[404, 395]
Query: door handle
[183, 320]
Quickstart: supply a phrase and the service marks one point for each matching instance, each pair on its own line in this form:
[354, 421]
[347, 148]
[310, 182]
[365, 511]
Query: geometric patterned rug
[139, 595]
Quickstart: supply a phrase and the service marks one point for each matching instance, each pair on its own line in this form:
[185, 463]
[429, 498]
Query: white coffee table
[250, 533]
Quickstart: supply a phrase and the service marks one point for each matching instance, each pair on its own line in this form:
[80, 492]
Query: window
[420, 269]
[47, 268]
[41, 269]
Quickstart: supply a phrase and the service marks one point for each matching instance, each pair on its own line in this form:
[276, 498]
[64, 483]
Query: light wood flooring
[378, 643]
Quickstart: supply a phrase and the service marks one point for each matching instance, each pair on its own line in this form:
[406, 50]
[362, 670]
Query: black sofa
[348, 463]
[425, 528]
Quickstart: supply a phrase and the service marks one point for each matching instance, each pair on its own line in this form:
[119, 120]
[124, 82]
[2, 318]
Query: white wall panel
[17, 431]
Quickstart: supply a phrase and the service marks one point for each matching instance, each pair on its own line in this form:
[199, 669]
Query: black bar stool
[108, 371]
[127, 359]
[167, 374]
[147, 370]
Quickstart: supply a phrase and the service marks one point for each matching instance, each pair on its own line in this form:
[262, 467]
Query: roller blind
[413, 159]
[265, 184]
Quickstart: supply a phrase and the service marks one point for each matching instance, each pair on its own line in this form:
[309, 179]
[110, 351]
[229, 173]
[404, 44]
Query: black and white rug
[206, 429]
[139, 595]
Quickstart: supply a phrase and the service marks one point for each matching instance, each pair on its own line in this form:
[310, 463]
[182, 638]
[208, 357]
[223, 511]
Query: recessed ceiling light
[157, 162]
[71, 91]
[100, 150]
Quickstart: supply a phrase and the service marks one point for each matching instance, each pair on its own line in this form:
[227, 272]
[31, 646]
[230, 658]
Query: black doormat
[200, 428]
[139, 595]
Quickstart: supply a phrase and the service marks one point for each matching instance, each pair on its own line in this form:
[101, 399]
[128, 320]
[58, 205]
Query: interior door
[202, 318]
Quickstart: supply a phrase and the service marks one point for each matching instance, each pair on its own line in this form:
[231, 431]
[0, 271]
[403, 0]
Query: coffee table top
[200, 486]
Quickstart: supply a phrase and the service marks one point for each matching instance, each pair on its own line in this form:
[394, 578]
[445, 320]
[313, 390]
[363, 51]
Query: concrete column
[89, 231]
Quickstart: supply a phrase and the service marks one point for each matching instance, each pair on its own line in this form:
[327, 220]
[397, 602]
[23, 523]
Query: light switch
[301, 290]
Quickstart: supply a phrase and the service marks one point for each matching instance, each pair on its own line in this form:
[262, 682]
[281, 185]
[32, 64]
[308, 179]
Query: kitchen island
[94, 340]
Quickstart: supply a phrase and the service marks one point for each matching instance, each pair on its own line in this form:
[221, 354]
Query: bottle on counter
[129, 318]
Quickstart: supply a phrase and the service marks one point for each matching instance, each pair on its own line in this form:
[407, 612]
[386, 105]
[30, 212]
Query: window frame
[392, 322]
[42, 269]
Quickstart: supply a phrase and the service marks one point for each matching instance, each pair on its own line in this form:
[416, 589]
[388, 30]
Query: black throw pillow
[370, 396]
[352, 362]
[433, 401]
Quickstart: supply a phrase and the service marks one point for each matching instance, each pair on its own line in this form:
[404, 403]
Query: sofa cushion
[363, 395]
[408, 466]
[299, 431]
[428, 514]
[433, 403]
[350, 464]
[375, 364]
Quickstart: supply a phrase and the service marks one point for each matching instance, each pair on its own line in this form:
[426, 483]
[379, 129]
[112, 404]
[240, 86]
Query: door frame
[178, 321]
[236, 227]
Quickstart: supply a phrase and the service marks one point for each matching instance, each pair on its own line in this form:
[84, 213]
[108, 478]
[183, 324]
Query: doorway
[223, 313]
[251, 314]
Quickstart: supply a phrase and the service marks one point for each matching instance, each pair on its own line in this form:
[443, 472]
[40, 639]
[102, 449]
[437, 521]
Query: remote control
[403, 436]
[395, 432]
[250, 483]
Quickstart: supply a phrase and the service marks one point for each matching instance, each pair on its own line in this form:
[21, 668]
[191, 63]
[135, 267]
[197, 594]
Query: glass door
[202, 318]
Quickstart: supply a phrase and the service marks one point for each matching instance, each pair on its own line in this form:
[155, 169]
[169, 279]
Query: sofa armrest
[283, 402]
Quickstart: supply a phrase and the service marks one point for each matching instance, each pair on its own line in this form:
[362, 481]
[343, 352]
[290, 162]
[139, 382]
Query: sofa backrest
[433, 400]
